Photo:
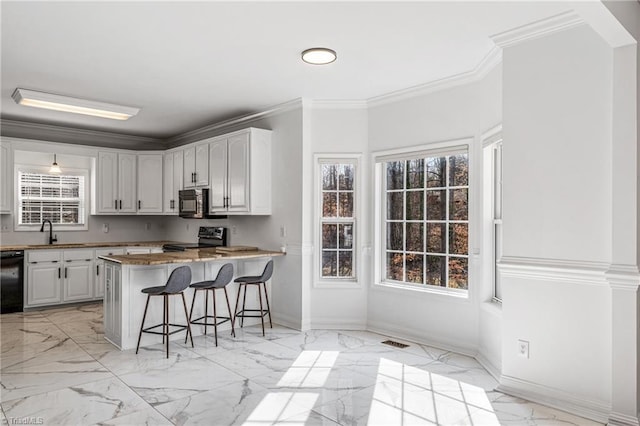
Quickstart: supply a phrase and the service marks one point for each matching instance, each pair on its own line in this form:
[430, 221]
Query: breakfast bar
[127, 275]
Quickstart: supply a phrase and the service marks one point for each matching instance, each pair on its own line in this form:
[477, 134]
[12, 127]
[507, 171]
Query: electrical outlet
[147, 226]
[105, 227]
[283, 231]
[523, 348]
[234, 230]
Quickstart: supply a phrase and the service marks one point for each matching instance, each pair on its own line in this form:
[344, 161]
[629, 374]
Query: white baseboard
[416, 335]
[488, 365]
[598, 411]
[337, 324]
[287, 321]
[619, 419]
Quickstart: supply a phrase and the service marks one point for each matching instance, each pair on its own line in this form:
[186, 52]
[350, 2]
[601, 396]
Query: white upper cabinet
[127, 183]
[173, 170]
[196, 165]
[116, 183]
[107, 183]
[240, 178]
[150, 179]
[6, 177]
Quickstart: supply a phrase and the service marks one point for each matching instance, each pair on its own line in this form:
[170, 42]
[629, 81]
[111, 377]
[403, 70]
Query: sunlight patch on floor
[408, 395]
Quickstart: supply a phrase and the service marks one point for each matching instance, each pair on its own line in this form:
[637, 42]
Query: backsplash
[121, 228]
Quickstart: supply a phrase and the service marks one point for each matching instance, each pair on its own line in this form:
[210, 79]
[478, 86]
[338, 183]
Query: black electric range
[208, 236]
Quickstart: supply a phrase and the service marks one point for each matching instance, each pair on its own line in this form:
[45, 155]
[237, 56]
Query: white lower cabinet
[43, 283]
[77, 275]
[99, 282]
[113, 303]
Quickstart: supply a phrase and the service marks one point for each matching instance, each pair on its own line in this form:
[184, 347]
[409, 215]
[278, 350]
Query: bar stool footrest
[181, 327]
[243, 315]
[215, 319]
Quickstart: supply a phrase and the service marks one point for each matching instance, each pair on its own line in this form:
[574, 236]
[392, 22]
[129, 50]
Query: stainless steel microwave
[194, 204]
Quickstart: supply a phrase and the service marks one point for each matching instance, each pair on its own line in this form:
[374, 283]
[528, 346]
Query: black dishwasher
[11, 281]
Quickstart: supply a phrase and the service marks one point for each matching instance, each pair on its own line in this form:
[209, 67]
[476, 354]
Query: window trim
[379, 216]
[25, 168]
[335, 282]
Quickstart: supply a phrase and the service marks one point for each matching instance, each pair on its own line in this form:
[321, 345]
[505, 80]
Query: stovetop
[184, 246]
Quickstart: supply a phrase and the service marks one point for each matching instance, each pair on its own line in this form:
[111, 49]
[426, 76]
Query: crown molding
[49, 132]
[486, 64]
[337, 104]
[553, 24]
[210, 130]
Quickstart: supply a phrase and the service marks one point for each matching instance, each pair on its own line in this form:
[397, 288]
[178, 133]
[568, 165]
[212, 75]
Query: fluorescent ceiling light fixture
[319, 56]
[75, 105]
[54, 167]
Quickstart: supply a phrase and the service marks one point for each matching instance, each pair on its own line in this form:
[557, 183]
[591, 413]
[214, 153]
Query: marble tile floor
[57, 369]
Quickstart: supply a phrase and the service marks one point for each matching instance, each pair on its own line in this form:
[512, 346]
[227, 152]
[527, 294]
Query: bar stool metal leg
[144, 316]
[266, 297]
[235, 315]
[261, 313]
[184, 303]
[231, 317]
[244, 299]
[193, 302]
[215, 316]
[165, 328]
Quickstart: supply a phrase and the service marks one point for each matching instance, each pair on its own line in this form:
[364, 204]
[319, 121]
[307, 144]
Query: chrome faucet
[51, 238]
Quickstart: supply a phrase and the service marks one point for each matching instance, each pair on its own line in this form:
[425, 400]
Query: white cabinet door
[167, 184]
[127, 176]
[196, 165]
[172, 178]
[218, 175]
[238, 173]
[43, 284]
[189, 171]
[150, 183]
[107, 182]
[202, 164]
[6, 178]
[78, 280]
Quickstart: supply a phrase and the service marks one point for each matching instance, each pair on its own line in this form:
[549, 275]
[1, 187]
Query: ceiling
[191, 64]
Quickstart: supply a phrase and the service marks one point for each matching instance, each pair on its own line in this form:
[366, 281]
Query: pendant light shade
[54, 167]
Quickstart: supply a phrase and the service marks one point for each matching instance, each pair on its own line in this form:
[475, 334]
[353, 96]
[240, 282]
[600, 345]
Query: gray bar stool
[178, 281]
[255, 280]
[225, 274]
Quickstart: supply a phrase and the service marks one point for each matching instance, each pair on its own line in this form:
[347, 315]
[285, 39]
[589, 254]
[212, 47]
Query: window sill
[337, 284]
[56, 228]
[460, 295]
[493, 307]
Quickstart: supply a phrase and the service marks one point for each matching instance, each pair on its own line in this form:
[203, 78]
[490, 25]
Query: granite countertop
[86, 245]
[187, 256]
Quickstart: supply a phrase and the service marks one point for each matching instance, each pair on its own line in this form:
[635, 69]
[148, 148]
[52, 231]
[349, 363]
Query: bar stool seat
[225, 274]
[178, 281]
[259, 280]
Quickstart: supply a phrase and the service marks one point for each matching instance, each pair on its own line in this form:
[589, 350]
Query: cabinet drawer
[69, 255]
[109, 252]
[40, 256]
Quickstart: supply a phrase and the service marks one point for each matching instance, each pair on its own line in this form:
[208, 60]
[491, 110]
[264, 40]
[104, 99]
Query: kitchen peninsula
[127, 275]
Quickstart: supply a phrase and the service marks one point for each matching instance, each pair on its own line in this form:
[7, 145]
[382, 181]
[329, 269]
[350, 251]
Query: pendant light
[54, 167]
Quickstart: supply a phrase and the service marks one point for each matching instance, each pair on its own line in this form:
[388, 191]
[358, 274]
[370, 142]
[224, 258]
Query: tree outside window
[427, 220]
[337, 221]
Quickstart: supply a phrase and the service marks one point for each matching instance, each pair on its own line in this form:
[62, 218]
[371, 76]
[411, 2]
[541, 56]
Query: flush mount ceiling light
[319, 56]
[54, 167]
[75, 105]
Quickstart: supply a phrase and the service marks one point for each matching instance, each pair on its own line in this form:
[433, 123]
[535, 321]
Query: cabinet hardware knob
[116, 201]
[97, 269]
[58, 273]
[120, 204]
[65, 272]
[139, 204]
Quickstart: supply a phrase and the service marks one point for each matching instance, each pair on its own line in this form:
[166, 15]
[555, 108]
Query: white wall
[455, 113]
[337, 130]
[557, 95]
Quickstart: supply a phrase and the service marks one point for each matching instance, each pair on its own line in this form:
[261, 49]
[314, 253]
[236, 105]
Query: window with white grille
[58, 198]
